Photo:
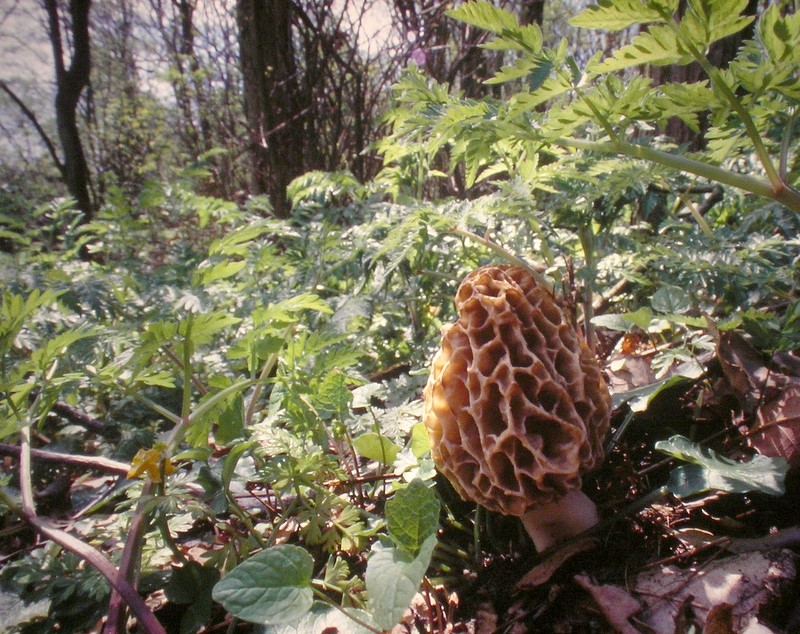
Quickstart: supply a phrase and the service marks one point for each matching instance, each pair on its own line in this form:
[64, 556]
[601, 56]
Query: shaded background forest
[98, 99]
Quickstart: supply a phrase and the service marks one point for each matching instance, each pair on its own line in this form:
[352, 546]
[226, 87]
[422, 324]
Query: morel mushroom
[516, 406]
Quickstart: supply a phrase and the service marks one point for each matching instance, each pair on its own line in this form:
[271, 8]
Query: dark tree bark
[70, 83]
[720, 54]
[274, 104]
[532, 12]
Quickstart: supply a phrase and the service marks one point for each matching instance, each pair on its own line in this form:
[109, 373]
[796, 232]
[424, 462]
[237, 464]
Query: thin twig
[147, 620]
[92, 462]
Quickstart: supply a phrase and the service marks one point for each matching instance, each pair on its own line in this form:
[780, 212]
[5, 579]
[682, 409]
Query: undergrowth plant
[233, 402]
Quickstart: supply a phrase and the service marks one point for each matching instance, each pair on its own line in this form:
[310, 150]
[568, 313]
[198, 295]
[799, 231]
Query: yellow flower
[150, 461]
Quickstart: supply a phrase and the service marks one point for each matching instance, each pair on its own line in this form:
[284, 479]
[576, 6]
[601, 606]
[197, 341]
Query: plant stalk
[786, 196]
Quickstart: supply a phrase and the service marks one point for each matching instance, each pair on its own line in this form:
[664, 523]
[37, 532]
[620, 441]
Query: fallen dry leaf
[615, 603]
[542, 572]
[720, 620]
[776, 432]
[747, 582]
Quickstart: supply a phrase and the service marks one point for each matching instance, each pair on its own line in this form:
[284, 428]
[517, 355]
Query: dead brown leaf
[776, 432]
[720, 620]
[542, 572]
[615, 603]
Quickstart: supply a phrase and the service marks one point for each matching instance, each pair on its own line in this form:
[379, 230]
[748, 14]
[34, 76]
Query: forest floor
[713, 562]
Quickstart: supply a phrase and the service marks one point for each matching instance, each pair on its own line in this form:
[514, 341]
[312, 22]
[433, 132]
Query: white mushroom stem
[561, 519]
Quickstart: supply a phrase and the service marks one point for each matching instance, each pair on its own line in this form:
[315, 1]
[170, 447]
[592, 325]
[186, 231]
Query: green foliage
[710, 471]
[264, 376]
[273, 586]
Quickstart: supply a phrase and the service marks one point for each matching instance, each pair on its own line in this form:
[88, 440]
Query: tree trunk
[532, 12]
[273, 102]
[70, 83]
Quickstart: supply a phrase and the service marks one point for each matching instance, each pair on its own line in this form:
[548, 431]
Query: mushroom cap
[516, 406]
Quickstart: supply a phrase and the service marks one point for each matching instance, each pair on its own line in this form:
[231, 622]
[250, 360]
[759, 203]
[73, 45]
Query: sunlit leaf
[376, 447]
[393, 577]
[710, 471]
[412, 515]
[273, 586]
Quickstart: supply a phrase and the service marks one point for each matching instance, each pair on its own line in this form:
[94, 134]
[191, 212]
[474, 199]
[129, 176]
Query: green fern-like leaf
[658, 46]
[485, 16]
[615, 15]
[707, 21]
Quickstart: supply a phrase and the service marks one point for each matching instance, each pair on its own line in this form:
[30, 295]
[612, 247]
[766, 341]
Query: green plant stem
[186, 405]
[722, 86]
[266, 370]
[506, 255]
[786, 144]
[25, 483]
[147, 620]
[586, 236]
[786, 196]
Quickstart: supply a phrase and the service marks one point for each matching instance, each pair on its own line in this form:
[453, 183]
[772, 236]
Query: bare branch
[51, 148]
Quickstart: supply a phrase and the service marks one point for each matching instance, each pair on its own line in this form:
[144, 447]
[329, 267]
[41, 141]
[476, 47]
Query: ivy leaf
[412, 515]
[711, 471]
[273, 586]
[615, 15]
[393, 577]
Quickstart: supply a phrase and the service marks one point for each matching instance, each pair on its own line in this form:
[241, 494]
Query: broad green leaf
[230, 423]
[639, 398]
[613, 321]
[412, 515]
[332, 396]
[420, 442]
[393, 577]
[376, 447]
[671, 299]
[624, 322]
[201, 328]
[322, 618]
[710, 471]
[273, 586]
[615, 15]
[192, 584]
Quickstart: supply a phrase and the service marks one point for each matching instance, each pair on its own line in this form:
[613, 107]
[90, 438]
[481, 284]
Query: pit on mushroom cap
[516, 406]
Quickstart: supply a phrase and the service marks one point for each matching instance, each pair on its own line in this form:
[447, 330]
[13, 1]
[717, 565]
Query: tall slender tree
[70, 83]
[274, 105]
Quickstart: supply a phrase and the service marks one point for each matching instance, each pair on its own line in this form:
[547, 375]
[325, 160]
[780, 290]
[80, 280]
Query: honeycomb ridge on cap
[516, 407]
